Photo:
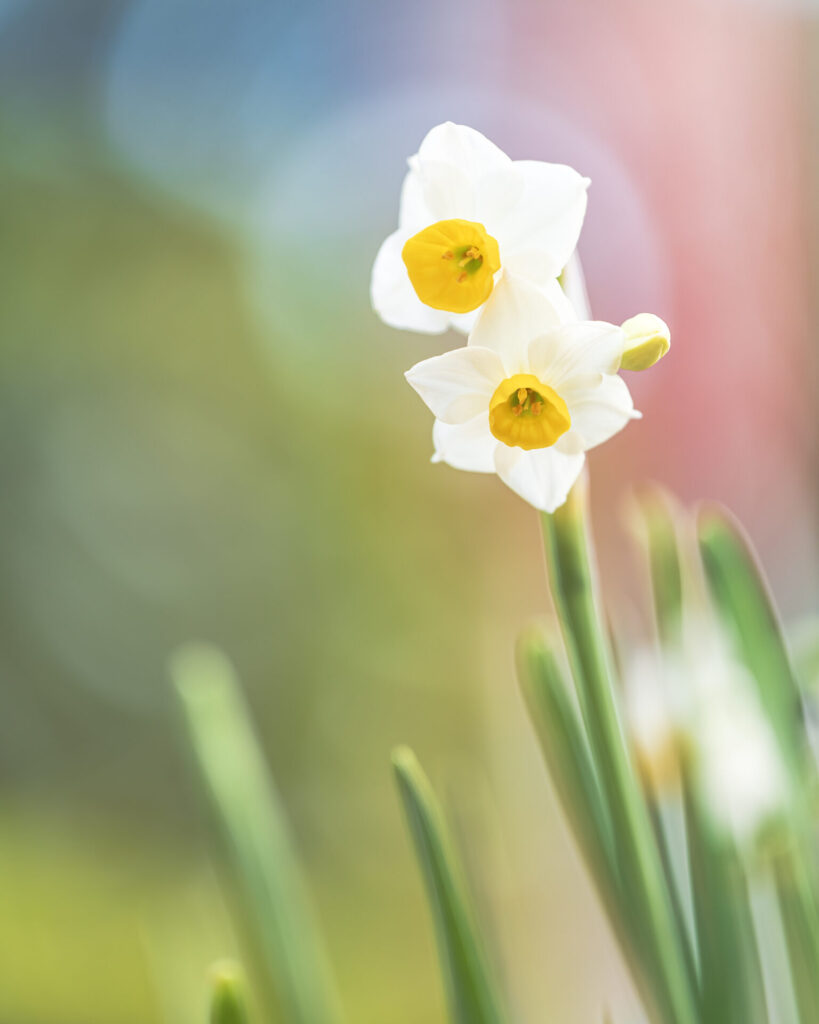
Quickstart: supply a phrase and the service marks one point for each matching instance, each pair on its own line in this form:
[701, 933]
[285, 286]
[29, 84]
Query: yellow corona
[451, 265]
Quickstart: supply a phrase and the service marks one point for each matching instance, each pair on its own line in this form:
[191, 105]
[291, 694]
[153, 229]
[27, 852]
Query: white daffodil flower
[741, 769]
[468, 214]
[530, 393]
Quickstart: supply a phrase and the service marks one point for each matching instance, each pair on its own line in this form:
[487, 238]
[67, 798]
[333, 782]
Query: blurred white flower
[712, 705]
[468, 214]
[702, 704]
[529, 394]
[739, 765]
[653, 712]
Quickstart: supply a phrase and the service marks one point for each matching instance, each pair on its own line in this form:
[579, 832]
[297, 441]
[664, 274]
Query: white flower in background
[653, 713]
[529, 394]
[739, 765]
[468, 213]
[741, 769]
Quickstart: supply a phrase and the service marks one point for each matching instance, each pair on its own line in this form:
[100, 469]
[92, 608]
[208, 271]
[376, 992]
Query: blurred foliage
[167, 478]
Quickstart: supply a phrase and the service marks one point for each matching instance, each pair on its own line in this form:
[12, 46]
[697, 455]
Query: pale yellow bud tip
[647, 341]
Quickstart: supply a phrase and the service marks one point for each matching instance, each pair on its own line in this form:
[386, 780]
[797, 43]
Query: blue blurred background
[206, 435]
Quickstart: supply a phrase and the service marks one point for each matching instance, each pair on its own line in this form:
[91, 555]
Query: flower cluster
[486, 245]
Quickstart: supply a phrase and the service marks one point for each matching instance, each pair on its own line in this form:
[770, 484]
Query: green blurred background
[206, 435]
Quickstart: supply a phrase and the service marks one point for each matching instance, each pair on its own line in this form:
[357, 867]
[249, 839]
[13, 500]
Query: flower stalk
[643, 885]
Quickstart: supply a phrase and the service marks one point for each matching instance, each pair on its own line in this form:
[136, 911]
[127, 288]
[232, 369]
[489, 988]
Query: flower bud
[647, 341]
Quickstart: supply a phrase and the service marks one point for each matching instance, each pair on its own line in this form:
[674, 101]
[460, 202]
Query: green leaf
[730, 969]
[800, 923]
[643, 881]
[565, 749]
[669, 574]
[741, 595]
[470, 988]
[804, 646]
[227, 1000]
[256, 827]
[664, 564]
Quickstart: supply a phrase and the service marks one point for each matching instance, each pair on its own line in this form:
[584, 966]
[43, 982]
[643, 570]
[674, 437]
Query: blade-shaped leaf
[470, 988]
[730, 971]
[256, 827]
[565, 749]
[742, 597]
[227, 994]
[664, 564]
[800, 922]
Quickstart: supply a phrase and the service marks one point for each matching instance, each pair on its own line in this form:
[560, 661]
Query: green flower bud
[647, 341]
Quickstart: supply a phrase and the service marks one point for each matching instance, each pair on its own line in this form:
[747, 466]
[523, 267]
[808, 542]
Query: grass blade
[256, 827]
[470, 989]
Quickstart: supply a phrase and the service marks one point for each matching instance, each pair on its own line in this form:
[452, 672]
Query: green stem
[644, 888]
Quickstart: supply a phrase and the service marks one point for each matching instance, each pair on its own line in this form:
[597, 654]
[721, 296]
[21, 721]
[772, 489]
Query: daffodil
[468, 215]
[530, 393]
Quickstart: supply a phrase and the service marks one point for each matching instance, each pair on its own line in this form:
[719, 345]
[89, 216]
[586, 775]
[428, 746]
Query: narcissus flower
[468, 214]
[530, 393]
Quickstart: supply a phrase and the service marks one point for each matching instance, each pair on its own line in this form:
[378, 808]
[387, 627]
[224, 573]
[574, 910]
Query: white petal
[458, 384]
[465, 322]
[540, 234]
[574, 285]
[543, 477]
[393, 296]
[463, 147]
[496, 196]
[414, 214]
[464, 175]
[597, 414]
[516, 313]
[448, 191]
[469, 445]
[575, 350]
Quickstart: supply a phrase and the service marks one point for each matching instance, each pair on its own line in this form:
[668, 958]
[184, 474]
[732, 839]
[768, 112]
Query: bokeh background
[206, 435]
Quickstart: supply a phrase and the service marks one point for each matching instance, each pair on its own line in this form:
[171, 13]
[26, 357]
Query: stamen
[462, 276]
[522, 395]
[535, 408]
[448, 255]
[472, 253]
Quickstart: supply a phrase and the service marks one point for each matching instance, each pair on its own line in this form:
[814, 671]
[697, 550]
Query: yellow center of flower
[525, 413]
[451, 265]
